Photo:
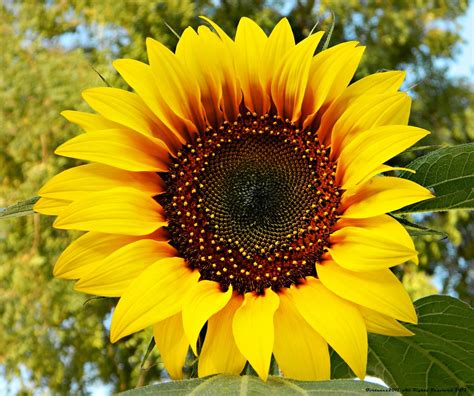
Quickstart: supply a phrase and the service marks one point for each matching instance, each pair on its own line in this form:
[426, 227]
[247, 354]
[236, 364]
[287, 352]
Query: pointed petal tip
[116, 333]
[79, 286]
[263, 376]
[413, 318]
[408, 333]
[149, 41]
[397, 74]
[118, 63]
[60, 149]
[58, 272]
[43, 190]
[246, 19]
[206, 19]
[57, 223]
[66, 113]
[361, 374]
[409, 314]
[37, 205]
[113, 337]
[359, 366]
[86, 93]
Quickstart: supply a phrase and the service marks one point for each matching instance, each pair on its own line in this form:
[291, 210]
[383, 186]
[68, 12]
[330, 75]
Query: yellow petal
[397, 112]
[330, 73]
[301, 353]
[378, 290]
[222, 59]
[171, 128]
[51, 206]
[385, 168]
[219, 353]
[78, 182]
[113, 275]
[371, 244]
[356, 252]
[155, 295]
[338, 321]
[89, 122]
[367, 112]
[221, 54]
[124, 211]
[86, 252]
[381, 195]
[120, 148]
[204, 300]
[384, 226]
[378, 83]
[223, 35]
[123, 107]
[178, 87]
[280, 41]
[382, 324]
[250, 41]
[198, 52]
[370, 149]
[341, 80]
[291, 78]
[253, 329]
[172, 344]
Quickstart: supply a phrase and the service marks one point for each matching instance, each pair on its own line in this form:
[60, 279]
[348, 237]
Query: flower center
[252, 204]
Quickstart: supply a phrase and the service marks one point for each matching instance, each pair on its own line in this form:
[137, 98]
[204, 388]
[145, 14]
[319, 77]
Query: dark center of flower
[252, 204]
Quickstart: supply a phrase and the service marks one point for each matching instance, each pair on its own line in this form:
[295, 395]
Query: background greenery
[49, 340]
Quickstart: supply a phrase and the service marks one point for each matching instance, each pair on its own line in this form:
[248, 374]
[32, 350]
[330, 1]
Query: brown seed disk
[252, 204]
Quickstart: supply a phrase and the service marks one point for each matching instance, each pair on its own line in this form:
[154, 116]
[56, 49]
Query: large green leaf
[439, 359]
[249, 385]
[449, 172]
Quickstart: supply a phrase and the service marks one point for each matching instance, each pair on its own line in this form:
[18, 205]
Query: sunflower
[235, 203]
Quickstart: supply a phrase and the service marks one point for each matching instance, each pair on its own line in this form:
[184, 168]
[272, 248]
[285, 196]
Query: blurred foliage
[50, 340]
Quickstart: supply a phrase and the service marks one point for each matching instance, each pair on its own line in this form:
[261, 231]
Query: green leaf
[249, 385]
[449, 172]
[438, 359]
[22, 208]
[439, 356]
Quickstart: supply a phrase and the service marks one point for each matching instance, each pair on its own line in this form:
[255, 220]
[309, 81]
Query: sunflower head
[237, 196]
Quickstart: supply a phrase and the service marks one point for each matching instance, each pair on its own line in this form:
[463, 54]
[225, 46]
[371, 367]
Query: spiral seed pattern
[252, 204]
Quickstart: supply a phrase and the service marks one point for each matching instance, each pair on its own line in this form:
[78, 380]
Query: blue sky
[464, 64]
